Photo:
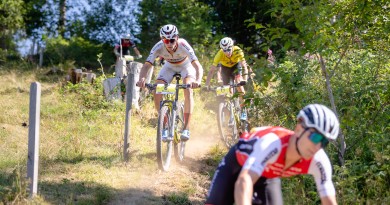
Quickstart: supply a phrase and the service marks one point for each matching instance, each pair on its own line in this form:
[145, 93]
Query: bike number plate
[223, 90]
[128, 58]
[162, 89]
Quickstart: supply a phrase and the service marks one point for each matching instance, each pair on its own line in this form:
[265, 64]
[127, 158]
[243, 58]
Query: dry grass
[81, 149]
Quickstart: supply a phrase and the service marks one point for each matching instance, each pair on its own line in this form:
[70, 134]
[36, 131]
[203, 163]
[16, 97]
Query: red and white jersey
[182, 53]
[263, 151]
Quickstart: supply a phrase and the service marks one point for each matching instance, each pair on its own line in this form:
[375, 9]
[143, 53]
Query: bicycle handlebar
[152, 86]
[242, 83]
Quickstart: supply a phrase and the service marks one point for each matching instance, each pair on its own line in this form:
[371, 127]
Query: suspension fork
[174, 109]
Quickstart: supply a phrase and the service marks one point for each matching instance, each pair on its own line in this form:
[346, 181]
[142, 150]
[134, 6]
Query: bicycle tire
[164, 149]
[178, 145]
[227, 124]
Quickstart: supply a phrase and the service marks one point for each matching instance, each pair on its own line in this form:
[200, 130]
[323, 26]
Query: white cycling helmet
[320, 118]
[126, 36]
[169, 31]
[226, 43]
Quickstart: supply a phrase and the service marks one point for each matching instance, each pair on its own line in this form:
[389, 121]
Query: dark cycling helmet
[169, 31]
[226, 43]
[320, 118]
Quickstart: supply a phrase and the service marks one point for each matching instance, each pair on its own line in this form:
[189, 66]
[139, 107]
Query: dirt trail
[190, 177]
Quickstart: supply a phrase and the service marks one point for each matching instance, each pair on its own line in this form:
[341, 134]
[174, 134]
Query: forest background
[330, 52]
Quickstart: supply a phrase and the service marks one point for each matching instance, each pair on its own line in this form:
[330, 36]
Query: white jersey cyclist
[179, 58]
[272, 143]
[177, 62]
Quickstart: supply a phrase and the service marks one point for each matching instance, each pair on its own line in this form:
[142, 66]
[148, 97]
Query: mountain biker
[250, 171]
[125, 44]
[179, 57]
[231, 60]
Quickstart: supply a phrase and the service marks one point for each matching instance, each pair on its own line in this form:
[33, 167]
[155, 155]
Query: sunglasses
[227, 50]
[317, 138]
[167, 41]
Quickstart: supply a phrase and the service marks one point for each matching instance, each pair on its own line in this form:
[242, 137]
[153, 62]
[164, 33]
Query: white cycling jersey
[178, 62]
[181, 54]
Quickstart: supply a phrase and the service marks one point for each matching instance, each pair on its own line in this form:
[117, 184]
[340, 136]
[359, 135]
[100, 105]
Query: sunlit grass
[81, 148]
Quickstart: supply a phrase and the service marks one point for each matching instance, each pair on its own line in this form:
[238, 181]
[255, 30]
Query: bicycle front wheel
[227, 125]
[164, 149]
[178, 145]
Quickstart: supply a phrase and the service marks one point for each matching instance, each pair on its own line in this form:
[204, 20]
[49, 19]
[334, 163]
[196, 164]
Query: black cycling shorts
[229, 73]
[221, 191]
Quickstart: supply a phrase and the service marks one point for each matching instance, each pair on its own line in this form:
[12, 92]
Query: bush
[83, 52]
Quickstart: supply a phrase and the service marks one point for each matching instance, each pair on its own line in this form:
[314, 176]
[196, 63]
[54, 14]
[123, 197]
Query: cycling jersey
[125, 47]
[237, 56]
[264, 151]
[181, 54]
[178, 62]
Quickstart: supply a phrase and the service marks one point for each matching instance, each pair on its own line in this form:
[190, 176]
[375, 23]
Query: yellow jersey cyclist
[180, 58]
[232, 66]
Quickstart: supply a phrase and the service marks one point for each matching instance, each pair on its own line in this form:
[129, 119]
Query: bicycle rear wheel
[164, 149]
[178, 145]
[227, 125]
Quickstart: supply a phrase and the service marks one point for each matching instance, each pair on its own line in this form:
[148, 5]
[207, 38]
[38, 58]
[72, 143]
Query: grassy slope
[81, 150]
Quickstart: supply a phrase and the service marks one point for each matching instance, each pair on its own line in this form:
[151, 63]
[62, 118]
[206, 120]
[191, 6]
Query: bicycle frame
[171, 100]
[169, 118]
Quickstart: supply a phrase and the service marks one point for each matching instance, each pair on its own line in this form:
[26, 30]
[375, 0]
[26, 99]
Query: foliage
[11, 19]
[190, 17]
[11, 16]
[83, 52]
[362, 98]
[106, 20]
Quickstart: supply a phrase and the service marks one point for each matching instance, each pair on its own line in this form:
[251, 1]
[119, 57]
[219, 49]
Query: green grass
[81, 147]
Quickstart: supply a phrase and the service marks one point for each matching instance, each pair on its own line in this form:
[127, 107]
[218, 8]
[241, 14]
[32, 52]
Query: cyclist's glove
[139, 56]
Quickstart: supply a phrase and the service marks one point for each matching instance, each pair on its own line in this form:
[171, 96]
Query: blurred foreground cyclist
[250, 172]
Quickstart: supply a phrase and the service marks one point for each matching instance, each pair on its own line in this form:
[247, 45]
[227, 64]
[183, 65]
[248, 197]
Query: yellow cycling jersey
[236, 57]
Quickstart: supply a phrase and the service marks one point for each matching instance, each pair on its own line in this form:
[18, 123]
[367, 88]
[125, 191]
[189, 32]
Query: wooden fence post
[129, 102]
[33, 137]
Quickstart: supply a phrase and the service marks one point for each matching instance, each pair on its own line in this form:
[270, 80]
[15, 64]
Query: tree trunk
[62, 20]
[341, 140]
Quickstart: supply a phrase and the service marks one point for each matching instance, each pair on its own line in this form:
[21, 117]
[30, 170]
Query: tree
[11, 19]
[190, 16]
[331, 32]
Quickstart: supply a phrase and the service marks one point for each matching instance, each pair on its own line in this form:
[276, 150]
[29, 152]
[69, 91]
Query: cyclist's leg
[238, 77]
[165, 76]
[221, 189]
[226, 74]
[267, 191]
[188, 74]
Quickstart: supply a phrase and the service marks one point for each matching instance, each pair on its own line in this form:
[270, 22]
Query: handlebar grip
[242, 83]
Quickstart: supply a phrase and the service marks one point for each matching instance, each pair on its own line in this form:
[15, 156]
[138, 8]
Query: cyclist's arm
[199, 71]
[243, 188]
[144, 71]
[136, 51]
[245, 71]
[116, 51]
[321, 169]
[265, 151]
[211, 74]
[329, 200]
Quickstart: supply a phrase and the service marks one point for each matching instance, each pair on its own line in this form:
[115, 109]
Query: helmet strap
[296, 141]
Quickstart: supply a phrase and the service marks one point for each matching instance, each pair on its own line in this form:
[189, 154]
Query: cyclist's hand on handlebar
[195, 85]
[139, 56]
[141, 83]
[242, 83]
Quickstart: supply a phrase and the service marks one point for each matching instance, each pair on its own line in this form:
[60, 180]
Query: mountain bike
[170, 119]
[230, 125]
